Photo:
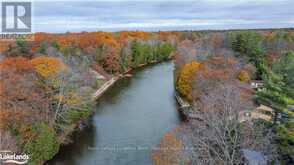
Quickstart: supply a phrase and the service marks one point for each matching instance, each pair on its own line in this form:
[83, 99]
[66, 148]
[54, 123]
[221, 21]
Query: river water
[130, 119]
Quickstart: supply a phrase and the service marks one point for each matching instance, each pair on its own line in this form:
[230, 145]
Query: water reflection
[130, 119]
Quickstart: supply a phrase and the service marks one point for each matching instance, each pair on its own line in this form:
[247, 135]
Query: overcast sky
[154, 15]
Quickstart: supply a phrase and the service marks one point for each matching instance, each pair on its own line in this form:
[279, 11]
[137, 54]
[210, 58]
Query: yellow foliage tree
[69, 98]
[184, 82]
[244, 76]
[47, 66]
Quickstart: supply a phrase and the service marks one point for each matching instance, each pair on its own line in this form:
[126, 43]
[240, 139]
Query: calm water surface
[130, 119]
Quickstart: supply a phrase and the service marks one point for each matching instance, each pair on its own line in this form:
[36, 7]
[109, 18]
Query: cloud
[62, 16]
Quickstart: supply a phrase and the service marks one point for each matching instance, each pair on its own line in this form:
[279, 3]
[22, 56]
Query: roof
[253, 157]
[265, 108]
[291, 107]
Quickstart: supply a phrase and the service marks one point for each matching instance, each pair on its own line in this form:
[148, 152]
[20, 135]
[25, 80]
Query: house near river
[262, 112]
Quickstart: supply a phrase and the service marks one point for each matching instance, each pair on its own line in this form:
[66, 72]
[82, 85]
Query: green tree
[143, 53]
[55, 45]
[42, 48]
[43, 146]
[285, 137]
[19, 48]
[22, 46]
[278, 93]
[184, 81]
[164, 50]
[249, 44]
[284, 67]
[136, 52]
[125, 59]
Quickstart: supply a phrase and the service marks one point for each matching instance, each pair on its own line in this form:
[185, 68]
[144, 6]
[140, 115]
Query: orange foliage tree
[96, 39]
[125, 35]
[21, 100]
[165, 36]
[184, 82]
[214, 71]
[81, 40]
[169, 150]
[47, 66]
[218, 68]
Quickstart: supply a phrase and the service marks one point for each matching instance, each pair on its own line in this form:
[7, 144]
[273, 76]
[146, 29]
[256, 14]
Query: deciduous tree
[184, 82]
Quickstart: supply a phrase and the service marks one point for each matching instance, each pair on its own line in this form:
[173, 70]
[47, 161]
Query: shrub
[244, 76]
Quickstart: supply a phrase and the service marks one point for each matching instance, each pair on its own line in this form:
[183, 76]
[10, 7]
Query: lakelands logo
[10, 157]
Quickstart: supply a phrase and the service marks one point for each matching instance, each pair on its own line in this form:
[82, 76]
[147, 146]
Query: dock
[104, 87]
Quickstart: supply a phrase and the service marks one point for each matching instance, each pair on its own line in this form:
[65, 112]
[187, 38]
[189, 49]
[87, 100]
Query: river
[130, 119]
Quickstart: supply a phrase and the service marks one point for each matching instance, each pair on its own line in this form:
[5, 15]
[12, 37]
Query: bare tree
[8, 142]
[71, 96]
[219, 137]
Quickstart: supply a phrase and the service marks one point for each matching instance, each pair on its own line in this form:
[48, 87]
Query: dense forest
[47, 88]
[239, 85]
[47, 85]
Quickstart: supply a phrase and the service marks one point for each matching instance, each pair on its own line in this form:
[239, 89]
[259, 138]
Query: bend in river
[130, 119]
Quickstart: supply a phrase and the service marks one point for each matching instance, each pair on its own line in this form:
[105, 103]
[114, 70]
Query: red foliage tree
[110, 60]
[21, 100]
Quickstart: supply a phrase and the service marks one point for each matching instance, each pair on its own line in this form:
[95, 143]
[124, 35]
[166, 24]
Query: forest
[47, 87]
[229, 78]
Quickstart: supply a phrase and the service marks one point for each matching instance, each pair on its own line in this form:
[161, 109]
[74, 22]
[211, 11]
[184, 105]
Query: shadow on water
[81, 141]
[130, 119]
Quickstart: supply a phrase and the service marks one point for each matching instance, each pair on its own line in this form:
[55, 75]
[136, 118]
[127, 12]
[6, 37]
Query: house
[255, 84]
[261, 112]
[291, 108]
[252, 157]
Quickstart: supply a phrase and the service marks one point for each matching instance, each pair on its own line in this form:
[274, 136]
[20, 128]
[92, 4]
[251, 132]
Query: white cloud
[88, 16]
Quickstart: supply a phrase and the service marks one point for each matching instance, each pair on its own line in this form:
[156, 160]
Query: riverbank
[114, 79]
[53, 107]
[127, 116]
[104, 87]
[100, 92]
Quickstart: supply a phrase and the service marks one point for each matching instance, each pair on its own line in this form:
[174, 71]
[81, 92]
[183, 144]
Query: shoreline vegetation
[57, 75]
[48, 88]
[127, 74]
[232, 80]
